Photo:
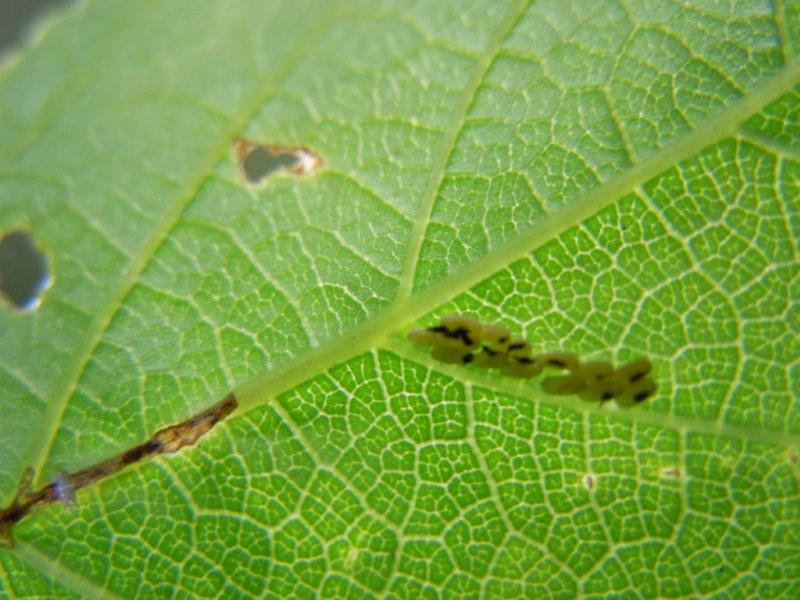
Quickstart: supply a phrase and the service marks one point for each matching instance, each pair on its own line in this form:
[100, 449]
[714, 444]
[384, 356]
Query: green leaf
[614, 178]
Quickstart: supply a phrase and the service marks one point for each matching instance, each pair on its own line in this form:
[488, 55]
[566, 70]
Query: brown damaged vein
[165, 441]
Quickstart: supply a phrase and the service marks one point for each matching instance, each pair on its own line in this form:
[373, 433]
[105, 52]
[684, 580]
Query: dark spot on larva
[606, 396]
[637, 376]
[24, 274]
[455, 334]
[490, 352]
[557, 363]
[258, 161]
[641, 396]
[526, 360]
[516, 346]
[503, 340]
[468, 358]
[460, 333]
[438, 329]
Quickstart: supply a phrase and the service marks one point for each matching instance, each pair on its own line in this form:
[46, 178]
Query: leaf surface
[618, 179]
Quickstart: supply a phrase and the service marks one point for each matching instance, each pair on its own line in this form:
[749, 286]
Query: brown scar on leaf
[671, 472]
[257, 161]
[63, 487]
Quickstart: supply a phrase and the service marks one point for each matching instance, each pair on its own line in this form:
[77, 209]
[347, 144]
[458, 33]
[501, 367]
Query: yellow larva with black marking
[524, 367]
[595, 371]
[452, 355]
[468, 331]
[602, 390]
[495, 337]
[491, 359]
[637, 393]
[634, 371]
[560, 360]
[564, 385]
[458, 339]
[453, 332]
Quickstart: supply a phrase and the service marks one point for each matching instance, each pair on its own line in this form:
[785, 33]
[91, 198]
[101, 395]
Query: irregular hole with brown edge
[24, 273]
[259, 161]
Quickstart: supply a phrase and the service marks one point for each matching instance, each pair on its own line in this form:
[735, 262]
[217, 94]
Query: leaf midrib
[50, 423]
[266, 386]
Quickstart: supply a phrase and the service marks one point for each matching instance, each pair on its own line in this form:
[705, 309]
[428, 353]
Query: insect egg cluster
[462, 340]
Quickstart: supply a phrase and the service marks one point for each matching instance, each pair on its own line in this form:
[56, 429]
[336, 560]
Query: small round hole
[24, 273]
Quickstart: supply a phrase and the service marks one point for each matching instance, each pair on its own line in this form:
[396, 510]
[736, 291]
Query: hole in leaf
[22, 20]
[259, 161]
[24, 274]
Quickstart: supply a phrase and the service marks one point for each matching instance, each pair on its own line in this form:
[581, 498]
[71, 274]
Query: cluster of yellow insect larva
[463, 340]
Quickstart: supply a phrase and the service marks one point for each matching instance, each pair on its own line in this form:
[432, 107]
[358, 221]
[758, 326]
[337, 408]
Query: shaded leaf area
[212, 284]
[103, 178]
[620, 181]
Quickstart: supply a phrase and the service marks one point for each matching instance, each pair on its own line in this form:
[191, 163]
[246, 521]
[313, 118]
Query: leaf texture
[616, 178]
